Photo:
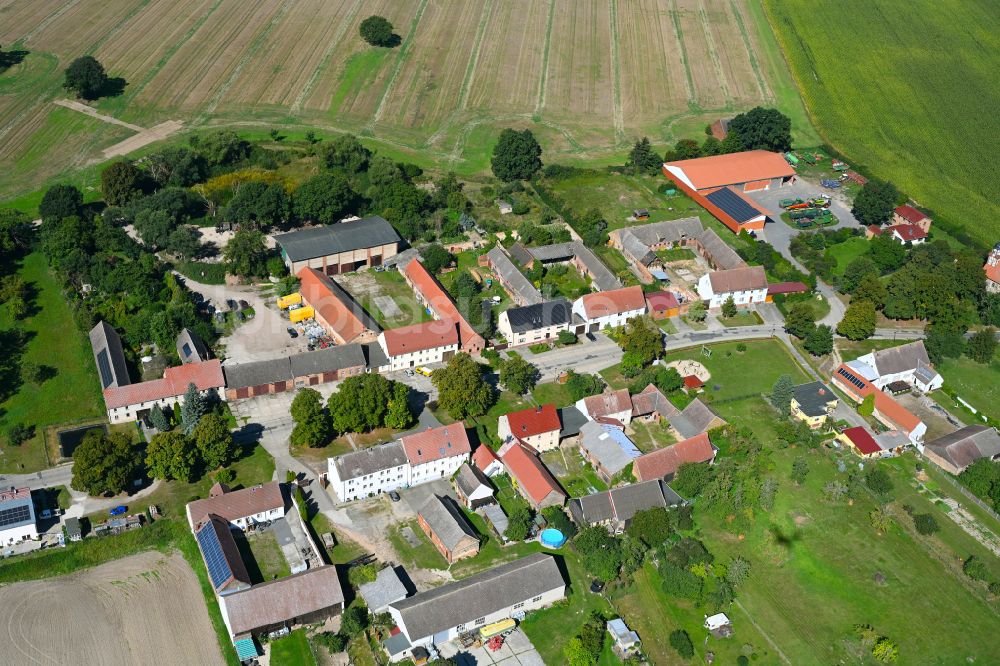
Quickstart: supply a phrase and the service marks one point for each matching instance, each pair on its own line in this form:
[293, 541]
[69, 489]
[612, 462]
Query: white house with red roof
[436, 453]
[420, 344]
[907, 233]
[607, 309]
[746, 286]
[133, 401]
[538, 426]
[487, 461]
[419, 457]
[908, 214]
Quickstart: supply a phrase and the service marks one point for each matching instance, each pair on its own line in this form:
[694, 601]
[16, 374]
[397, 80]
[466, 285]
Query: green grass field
[293, 650]
[809, 587]
[846, 252]
[907, 90]
[71, 394]
[977, 384]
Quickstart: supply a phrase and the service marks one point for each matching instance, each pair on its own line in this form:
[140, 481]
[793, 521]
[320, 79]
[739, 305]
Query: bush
[975, 569]
[225, 476]
[925, 523]
[680, 641]
[19, 433]
[334, 643]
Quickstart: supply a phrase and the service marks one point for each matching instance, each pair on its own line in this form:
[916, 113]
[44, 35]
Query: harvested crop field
[143, 609]
[587, 75]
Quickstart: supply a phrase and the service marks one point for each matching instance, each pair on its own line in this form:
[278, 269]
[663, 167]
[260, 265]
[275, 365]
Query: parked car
[46, 514]
[591, 337]
[231, 304]
[244, 305]
[118, 510]
[292, 333]
[393, 495]
[409, 373]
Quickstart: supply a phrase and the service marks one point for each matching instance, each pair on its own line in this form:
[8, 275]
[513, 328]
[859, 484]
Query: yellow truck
[301, 314]
[290, 299]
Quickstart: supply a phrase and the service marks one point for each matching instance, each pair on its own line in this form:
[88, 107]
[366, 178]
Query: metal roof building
[340, 248]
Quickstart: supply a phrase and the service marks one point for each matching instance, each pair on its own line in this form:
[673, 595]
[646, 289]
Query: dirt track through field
[91, 111]
[144, 609]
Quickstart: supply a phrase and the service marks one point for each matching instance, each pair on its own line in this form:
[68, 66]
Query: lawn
[977, 384]
[392, 284]
[552, 392]
[423, 556]
[551, 628]
[267, 554]
[507, 402]
[53, 341]
[345, 550]
[814, 566]
[846, 252]
[292, 650]
[748, 318]
[924, 129]
[491, 552]
[649, 436]
[570, 284]
[510, 500]
[578, 477]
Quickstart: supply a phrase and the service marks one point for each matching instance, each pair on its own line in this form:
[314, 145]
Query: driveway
[516, 650]
[261, 338]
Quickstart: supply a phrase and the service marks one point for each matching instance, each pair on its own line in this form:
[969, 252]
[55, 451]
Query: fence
[972, 498]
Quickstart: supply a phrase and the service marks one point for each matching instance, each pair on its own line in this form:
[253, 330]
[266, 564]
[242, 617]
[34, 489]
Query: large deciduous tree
[246, 254]
[982, 346]
[121, 183]
[435, 258]
[86, 77]
[325, 198]
[377, 31]
[517, 375]
[104, 463]
[760, 128]
[462, 389]
[60, 201]
[172, 455]
[642, 337]
[516, 155]
[346, 154]
[214, 441]
[259, 205]
[366, 402]
[875, 202]
[859, 321]
[312, 423]
[819, 342]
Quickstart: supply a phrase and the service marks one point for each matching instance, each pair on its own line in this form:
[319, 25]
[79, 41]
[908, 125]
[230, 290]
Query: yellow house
[861, 441]
[813, 403]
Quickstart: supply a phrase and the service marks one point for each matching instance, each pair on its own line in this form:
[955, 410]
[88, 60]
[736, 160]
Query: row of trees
[361, 404]
[759, 128]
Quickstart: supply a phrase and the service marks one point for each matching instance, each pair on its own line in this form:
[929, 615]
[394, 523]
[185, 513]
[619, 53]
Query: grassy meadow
[908, 90]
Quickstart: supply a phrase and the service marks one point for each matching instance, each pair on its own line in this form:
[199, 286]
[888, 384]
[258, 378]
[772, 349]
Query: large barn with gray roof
[339, 248]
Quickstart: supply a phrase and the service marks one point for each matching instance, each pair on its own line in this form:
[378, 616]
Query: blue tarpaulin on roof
[660, 275]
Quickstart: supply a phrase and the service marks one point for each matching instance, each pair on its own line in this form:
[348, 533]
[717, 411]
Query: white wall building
[534, 323]
[420, 344]
[536, 426]
[608, 309]
[17, 516]
[906, 363]
[242, 508]
[745, 285]
[435, 453]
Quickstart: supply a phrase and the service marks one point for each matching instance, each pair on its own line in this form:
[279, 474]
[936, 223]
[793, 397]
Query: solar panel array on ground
[733, 205]
[218, 568]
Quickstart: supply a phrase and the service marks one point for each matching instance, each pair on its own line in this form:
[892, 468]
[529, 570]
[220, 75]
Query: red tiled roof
[692, 381]
[529, 472]
[908, 232]
[533, 421]
[787, 288]
[206, 375]
[328, 301]
[420, 337]
[862, 440]
[992, 272]
[483, 457]
[238, 504]
[732, 169]
[440, 302]
[876, 229]
[894, 412]
[603, 404]
[749, 278]
[910, 214]
[436, 443]
[666, 461]
[661, 301]
[15, 494]
[605, 303]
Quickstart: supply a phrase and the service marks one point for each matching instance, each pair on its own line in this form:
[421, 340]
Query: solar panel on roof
[851, 378]
[733, 205]
[17, 514]
[104, 366]
[218, 568]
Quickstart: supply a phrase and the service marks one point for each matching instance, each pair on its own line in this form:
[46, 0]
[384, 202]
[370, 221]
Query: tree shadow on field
[10, 58]
[393, 41]
[113, 87]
